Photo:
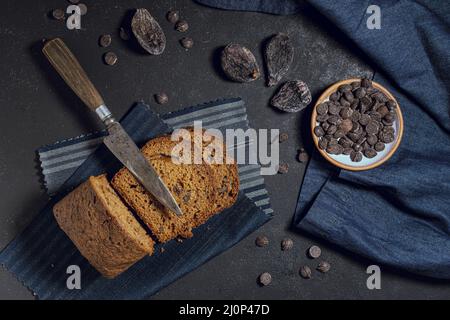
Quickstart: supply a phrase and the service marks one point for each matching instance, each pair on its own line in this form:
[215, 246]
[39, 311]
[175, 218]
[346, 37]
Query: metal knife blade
[119, 142]
[124, 148]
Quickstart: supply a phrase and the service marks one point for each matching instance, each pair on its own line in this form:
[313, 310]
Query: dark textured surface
[37, 108]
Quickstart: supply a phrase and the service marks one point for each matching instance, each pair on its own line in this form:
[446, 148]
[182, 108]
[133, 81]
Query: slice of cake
[192, 186]
[102, 228]
[201, 190]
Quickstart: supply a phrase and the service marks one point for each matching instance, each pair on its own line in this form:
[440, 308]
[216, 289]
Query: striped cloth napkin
[40, 255]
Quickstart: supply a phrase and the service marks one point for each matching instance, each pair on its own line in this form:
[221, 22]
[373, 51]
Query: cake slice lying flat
[190, 184]
[102, 228]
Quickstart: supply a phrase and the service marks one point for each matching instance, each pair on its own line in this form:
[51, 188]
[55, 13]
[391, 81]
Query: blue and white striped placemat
[60, 160]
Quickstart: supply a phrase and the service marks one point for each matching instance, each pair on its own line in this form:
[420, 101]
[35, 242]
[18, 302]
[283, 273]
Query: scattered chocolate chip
[173, 16]
[372, 127]
[287, 244]
[372, 139]
[389, 118]
[357, 147]
[356, 115]
[356, 156]
[105, 40]
[325, 125]
[391, 105]
[383, 110]
[187, 197]
[344, 88]
[370, 153]
[322, 118]
[361, 141]
[355, 85]
[345, 142]
[334, 119]
[58, 14]
[388, 129]
[386, 137]
[380, 97]
[360, 93]
[303, 156]
[305, 272]
[283, 168]
[187, 42]
[339, 134]
[346, 113]
[346, 125]
[181, 26]
[347, 151]
[265, 278]
[319, 132]
[324, 267]
[379, 146]
[366, 83]
[334, 109]
[283, 137]
[348, 95]
[261, 241]
[110, 58]
[334, 96]
[331, 140]
[322, 108]
[161, 98]
[314, 252]
[335, 149]
[323, 143]
[364, 120]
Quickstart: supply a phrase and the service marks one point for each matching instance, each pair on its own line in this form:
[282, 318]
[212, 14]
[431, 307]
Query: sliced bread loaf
[192, 185]
[102, 228]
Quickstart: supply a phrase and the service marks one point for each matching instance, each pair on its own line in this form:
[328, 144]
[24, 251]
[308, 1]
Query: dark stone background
[37, 108]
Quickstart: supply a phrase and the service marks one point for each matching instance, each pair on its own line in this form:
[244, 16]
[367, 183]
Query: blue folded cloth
[399, 213]
[40, 255]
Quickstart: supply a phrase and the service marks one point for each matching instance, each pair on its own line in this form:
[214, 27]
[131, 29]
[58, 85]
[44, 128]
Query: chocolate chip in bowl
[357, 124]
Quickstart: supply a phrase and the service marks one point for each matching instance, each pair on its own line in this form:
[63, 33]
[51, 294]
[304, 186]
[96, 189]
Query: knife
[118, 141]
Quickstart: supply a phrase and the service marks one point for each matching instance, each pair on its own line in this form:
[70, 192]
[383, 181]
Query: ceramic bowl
[343, 161]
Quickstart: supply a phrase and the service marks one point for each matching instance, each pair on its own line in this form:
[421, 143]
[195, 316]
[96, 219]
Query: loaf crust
[102, 228]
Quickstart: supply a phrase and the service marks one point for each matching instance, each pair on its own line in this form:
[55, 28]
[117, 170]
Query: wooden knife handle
[68, 67]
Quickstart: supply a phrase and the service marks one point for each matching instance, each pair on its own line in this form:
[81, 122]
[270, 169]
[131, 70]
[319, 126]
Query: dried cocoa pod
[239, 63]
[293, 96]
[148, 32]
[278, 54]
